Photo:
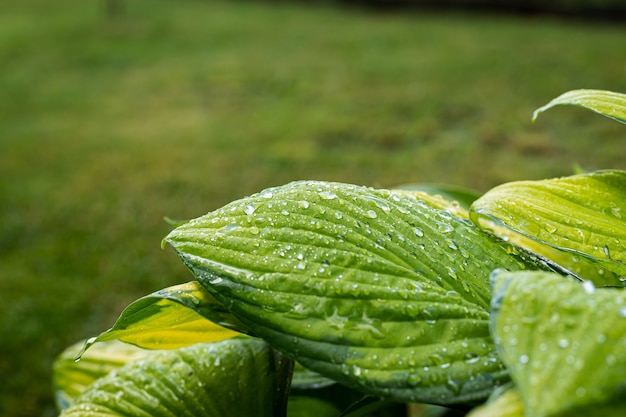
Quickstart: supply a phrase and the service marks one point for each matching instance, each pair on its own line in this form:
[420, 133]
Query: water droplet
[414, 380]
[454, 386]
[452, 245]
[444, 227]
[418, 232]
[327, 195]
[304, 204]
[622, 311]
[563, 343]
[254, 230]
[523, 359]
[607, 253]
[267, 194]
[338, 215]
[589, 287]
[543, 347]
[215, 280]
[616, 211]
[371, 214]
[550, 228]
[471, 358]
[452, 272]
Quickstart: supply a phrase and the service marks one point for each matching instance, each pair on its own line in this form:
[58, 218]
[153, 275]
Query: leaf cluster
[331, 299]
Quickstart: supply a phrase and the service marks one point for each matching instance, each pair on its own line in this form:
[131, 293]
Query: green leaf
[606, 103]
[71, 377]
[305, 379]
[374, 289]
[300, 406]
[509, 404]
[577, 222]
[172, 318]
[452, 196]
[563, 341]
[194, 381]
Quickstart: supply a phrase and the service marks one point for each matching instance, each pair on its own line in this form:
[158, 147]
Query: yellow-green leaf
[71, 377]
[577, 222]
[606, 103]
[169, 319]
[238, 376]
[509, 404]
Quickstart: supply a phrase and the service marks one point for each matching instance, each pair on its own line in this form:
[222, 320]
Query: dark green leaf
[372, 288]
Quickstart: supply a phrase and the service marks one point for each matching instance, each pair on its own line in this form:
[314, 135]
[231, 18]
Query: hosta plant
[328, 299]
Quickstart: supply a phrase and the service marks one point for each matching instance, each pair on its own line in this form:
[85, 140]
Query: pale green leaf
[577, 222]
[563, 341]
[231, 377]
[172, 318]
[71, 377]
[509, 404]
[606, 103]
[372, 288]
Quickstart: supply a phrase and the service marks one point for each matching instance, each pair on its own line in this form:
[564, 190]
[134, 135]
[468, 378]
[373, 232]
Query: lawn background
[178, 107]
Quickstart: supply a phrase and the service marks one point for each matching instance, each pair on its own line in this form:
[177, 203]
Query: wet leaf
[71, 377]
[442, 196]
[577, 222]
[563, 341]
[606, 103]
[171, 318]
[374, 289]
[509, 404]
[187, 382]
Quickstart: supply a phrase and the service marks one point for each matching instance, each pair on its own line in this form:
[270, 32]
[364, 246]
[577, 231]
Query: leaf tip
[88, 343]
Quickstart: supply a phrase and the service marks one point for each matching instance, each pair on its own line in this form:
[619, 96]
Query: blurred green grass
[177, 108]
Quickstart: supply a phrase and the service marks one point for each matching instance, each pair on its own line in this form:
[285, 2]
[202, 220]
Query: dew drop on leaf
[589, 287]
[414, 379]
[327, 195]
[550, 228]
[371, 214]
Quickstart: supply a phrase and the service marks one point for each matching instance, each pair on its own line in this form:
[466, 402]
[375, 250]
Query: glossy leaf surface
[578, 222]
[71, 377]
[172, 318]
[606, 103]
[196, 381]
[372, 288]
[563, 341]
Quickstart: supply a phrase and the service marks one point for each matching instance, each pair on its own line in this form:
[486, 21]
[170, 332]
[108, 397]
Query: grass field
[177, 108]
